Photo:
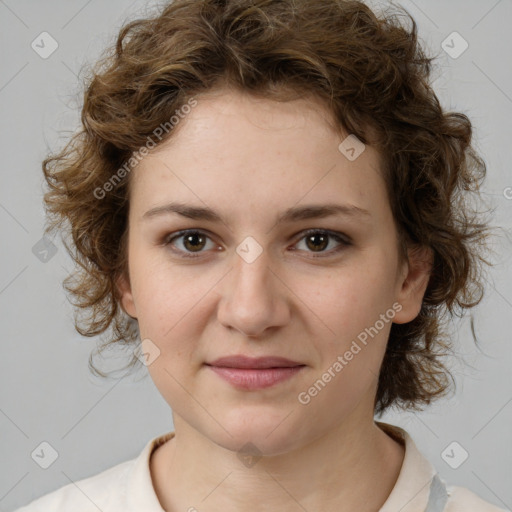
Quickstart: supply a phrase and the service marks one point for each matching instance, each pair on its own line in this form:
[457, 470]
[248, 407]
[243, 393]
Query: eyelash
[338, 237]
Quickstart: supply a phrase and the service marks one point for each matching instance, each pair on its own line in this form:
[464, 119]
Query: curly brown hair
[370, 72]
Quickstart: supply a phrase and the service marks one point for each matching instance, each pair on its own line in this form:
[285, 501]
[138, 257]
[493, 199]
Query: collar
[418, 487]
[140, 493]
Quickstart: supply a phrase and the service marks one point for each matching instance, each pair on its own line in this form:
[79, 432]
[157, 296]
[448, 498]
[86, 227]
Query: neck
[344, 470]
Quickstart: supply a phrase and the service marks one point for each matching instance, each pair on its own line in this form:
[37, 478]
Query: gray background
[47, 393]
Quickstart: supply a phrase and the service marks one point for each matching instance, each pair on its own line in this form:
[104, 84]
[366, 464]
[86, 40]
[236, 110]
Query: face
[270, 276]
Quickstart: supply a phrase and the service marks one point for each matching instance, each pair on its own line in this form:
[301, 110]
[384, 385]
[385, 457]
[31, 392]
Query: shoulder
[98, 492]
[461, 499]
[126, 486]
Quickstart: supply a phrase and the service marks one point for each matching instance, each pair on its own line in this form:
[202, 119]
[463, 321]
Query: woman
[269, 195]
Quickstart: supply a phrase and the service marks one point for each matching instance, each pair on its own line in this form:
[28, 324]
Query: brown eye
[192, 241]
[317, 240]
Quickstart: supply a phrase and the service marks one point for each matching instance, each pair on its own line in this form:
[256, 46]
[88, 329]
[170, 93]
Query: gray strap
[438, 495]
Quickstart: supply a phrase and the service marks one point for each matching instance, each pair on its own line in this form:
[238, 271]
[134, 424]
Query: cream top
[127, 487]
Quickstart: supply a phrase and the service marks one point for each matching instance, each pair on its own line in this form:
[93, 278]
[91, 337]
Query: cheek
[350, 298]
[166, 295]
[175, 306]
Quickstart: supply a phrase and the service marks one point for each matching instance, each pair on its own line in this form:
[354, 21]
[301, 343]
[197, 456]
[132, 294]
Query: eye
[318, 241]
[194, 241]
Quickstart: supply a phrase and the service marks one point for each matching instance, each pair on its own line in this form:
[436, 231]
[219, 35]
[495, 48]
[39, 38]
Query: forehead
[235, 149]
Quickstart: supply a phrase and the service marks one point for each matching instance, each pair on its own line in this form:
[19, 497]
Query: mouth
[248, 373]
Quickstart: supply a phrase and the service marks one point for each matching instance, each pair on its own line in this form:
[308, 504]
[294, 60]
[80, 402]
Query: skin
[251, 159]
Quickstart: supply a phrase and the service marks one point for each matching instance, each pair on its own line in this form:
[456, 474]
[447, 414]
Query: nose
[254, 297]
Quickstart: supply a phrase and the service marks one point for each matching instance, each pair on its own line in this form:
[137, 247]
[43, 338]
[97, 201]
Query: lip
[241, 361]
[255, 373]
[252, 378]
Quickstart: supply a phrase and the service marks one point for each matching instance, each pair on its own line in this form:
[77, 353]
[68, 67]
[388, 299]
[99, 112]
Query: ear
[125, 291]
[413, 282]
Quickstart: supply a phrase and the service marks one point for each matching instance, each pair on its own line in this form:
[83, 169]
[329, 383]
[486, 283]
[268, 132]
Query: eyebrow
[294, 214]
